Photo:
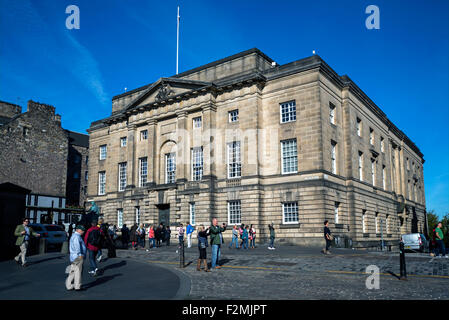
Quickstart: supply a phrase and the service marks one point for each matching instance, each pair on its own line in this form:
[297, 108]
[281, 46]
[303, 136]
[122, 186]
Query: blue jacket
[189, 229]
[245, 234]
[77, 246]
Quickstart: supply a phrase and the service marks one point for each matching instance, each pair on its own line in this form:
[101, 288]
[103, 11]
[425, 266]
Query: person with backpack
[92, 240]
[252, 237]
[245, 237]
[202, 246]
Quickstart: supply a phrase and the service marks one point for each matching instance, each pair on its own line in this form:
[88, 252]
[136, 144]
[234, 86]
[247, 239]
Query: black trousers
[328, 244]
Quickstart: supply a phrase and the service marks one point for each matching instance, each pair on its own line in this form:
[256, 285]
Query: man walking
[189, 231]
[92, 239]
[24, 234]
[439, 240]
[327, 237]
[77, 255]
[215, 240]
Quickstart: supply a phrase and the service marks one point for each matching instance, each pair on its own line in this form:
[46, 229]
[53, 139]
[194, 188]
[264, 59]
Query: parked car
[54, 233]
[415, 241]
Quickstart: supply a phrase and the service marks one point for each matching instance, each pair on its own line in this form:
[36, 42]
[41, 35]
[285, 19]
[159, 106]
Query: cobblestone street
[291, 272]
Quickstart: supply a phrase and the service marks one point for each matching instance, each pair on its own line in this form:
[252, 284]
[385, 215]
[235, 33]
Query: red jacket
[86, 236]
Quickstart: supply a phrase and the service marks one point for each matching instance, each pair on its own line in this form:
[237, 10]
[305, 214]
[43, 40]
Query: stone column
[182, 150]
[209, 141]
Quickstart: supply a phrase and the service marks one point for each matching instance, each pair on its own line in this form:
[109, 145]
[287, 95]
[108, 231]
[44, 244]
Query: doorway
[164, 214]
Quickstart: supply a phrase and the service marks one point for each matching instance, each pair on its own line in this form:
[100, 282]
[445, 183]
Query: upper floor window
[121, 176]
[361, 165]
[144, 135]
[143, 171]
[334, 157]
[289, 154]
[373, 172]
[384, 177]
[288, 111]
[101, 183]
[197, 122]
[86, 175]
[234, 160]
[331, 113]
[233, 115]
[170, 168]
[371, 136]
[103, 152]
[197, 164]
[123, 142]
[359, 127]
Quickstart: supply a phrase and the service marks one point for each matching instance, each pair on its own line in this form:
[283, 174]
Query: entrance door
[164, 214]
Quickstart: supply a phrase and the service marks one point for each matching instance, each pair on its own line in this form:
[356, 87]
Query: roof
[78, 139]
[10, 187]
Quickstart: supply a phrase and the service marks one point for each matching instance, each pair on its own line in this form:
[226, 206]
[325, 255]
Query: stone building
[249, 141]
[34, 153]
[77, 173]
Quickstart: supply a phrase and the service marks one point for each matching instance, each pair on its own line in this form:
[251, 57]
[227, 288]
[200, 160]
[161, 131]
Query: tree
[432, 220]
[445, 223]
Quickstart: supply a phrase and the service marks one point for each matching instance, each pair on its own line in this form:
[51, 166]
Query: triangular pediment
[166, 88]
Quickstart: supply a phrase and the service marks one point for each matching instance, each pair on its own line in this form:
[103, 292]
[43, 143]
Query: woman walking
[202, 245]
[252, 237]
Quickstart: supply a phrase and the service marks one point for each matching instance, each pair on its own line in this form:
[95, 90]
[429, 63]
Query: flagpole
[177, 42]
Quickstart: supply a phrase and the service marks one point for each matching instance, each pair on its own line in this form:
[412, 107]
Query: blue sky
[403, 67]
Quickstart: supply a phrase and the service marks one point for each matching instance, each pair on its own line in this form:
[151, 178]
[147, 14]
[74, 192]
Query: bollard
[65, 247]
[402, 262]
[181, 254]
[42, 245]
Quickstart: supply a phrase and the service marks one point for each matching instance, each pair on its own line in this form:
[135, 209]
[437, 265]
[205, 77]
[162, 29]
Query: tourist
[133, 236]
[125, 236]
[77, 254]
[252, 237]
[245, 237]
[157, 234]
[242, 226]
[92, 240]
[272, 236]
[235, 237]
[167, 236]
[327, 237]
[151, 238]
[202, 245]
[216, 239]
[189, 231]
[439, 241]
[141, 236]
[24, 233]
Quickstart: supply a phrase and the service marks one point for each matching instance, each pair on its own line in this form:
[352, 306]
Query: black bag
[94, 238]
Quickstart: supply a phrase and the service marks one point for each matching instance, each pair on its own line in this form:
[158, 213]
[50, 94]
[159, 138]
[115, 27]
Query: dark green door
[164, 215]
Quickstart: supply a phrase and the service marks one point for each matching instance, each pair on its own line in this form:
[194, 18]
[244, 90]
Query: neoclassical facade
[249, 141]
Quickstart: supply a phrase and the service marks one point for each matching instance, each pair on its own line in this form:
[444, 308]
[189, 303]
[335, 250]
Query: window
[408, 164]
[371, 136]
[87, 160]
[288, 111]
[382, 144]
[234, 115]
[86, 175]
[123, 142]
[144, 135]
[336, 207]
[197, 122]
[234, 160]
[170, 168]
[364, 227]
[101, 183]
[334, 156]
[359, 127]
[138, 215]
[289, 155]
[121, 176]
[361, 166]
[143, 171]
[103, 152]
[234, 212]
[120, 218]
[290, 212]
[384, 177]
[77, 159]
[192, 213]
[197, 164]
[331, 113]
[373, 172]
[76, 175]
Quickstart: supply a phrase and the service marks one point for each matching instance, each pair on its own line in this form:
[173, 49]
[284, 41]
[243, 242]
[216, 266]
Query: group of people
[137, 236]
[245, 233]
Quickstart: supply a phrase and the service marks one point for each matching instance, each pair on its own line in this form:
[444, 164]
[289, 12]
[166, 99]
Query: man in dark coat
[125, 236]
[133, 236]
[107, 241]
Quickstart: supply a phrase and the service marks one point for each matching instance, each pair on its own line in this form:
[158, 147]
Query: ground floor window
[234, 212]
[192, 213]
[290, 213]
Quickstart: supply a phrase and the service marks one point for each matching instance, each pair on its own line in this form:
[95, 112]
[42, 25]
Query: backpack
[94, 238]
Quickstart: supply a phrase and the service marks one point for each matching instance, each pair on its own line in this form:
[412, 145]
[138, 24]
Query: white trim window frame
[233, 115]
[120, 218]
[101, 183]
[234, 212]
[373, 172]
[289, 156]
[287, 111]
[334, 156]
[122, 176]
[192, 213]
[361, 166]
[143, 171]
[138, 217]
[234, 160]
[103, 151]
[170, 167]
[197, 163]
[290, 213]
[123, 142]
[197, 122]
[144, 135]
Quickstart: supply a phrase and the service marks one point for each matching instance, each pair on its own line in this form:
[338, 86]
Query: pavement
[287, 273]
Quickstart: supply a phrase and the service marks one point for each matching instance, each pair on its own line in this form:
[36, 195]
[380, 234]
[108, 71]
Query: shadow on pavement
[44, 260]
[13, 286]
[115, 265]
[100, 281]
